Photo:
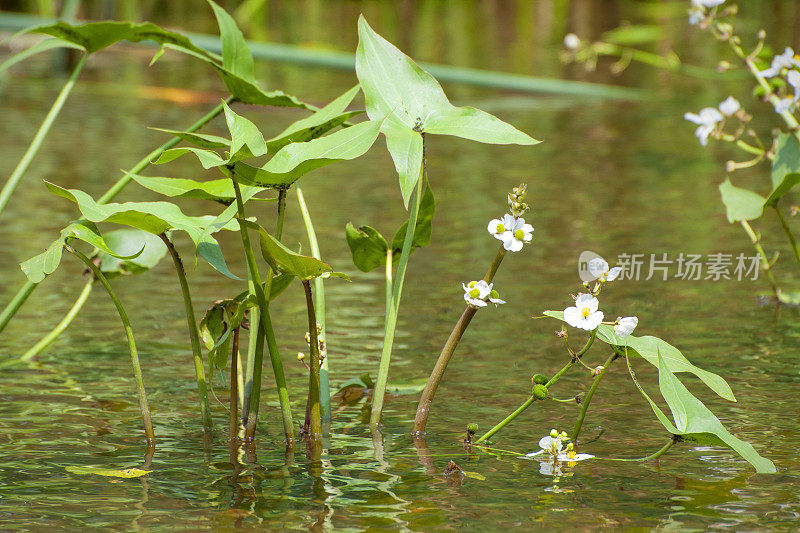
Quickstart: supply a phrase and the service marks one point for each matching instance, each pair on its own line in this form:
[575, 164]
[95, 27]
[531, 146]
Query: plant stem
[255, 346]
[194, 336]
[661, 451]
[26, 290]
[234, 420]
[588, 399]
[319, 304]
[765, 266]
[425, 401]
[38, 139]
[266, 323]
[45, 341]
[313, 375]
[137, 370]
[525, 405]
[789, 234]
[393, 304]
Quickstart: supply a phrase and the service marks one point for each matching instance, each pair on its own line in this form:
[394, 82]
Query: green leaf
[779, 191]
[41, 46]
[155, 218]
[405, 147]
[695, 422]
[422, 230]
[203, 140]
[207, 158]
[246, 139]
[127, 473]
[236, 55]
[281, 259]
[740, 204]
[128, 241]
[317, 124]
[367, 246]
[220, 190]
[787, 158]
[95, 36]
[650, 348]
[475, 125]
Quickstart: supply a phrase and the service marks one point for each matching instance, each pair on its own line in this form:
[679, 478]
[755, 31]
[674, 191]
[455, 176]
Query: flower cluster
[699, 10]
[586, 315]
[553, 451]
[709, 118]
[477, 293]
[513, 231]
[785, 65]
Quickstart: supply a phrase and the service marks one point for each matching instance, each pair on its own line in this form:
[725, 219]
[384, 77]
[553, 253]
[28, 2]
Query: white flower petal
[587, 301]
[593, 320]
[730, 105]
[492, 227]
[692, 117]
[613, 273]
[516, 246]
[626, 326]
[573, 317]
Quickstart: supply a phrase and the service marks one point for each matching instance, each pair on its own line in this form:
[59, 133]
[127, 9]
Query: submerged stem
[588, 399]
[38, 139]
[313, 375]
[425, 401]
[194, 336]
[22, 295]
[45, 341]
[661, 451]
[137, 369]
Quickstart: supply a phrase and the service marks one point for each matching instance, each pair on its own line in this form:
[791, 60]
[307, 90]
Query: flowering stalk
[425, 401]
[144, 407]
[588, 399]
[26, 290]
[194, 336]
[765, 264]
[38, 139]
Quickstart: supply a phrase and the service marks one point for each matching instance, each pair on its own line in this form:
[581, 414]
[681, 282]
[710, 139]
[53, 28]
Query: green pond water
[613, 177]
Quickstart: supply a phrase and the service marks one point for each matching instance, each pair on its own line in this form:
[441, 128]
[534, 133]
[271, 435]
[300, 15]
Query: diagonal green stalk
[194, 335]
[314, 373]
[655, 455]
[137, 369]
[393, 304]
[26, 290]
[38, 139]
[588, 399]
[765, 266]
[266, 322]
[426, 399]
[789, 234]
[45, 341]
[319, 304]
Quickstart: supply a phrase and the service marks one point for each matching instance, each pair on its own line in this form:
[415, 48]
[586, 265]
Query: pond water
[613, 177]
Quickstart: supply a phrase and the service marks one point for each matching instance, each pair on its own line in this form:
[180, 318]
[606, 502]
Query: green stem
[525, 405]
[137, 369]
[26, 290]
[789, 234]
[194, 336]
[319, 303]
[426, 399]
[393, 304]
[45, 341]
[661, 451]
[255, 346]
[588, 399]
[38, 139]
[266, 323]
[313, 375]
[234, 398]
[765, 266]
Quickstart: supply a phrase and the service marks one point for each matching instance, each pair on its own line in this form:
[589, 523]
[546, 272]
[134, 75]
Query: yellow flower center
[474, 293]
[586, 312]
[519, 234]
[500, 228]
[472, 284]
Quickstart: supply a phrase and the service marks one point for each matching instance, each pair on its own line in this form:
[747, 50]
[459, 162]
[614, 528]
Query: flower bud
[563, 435]
[572, 41]
[472, 428]
[300, 356]
[762, 34]
[598, 370]
[539, 392]
[553, 433]
[570, 447]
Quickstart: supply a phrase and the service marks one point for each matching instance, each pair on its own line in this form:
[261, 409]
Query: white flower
[729, 106]
[500, 228]
[613, 273]
[698, 10]
[476, 292]
[707, 120]
[626, 326]
[553, 453]
[598, 267]
[793, 78]
[707, 3]
[783, 104]
[584, 314]
[780, 62]
[514, 232]
[572, 41]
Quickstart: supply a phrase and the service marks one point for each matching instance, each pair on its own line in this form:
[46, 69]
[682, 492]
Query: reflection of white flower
[729, 106]
[476, 292]
[626, 326]
[584, 314]
[707, 120]
[780, 62]
[572, 41]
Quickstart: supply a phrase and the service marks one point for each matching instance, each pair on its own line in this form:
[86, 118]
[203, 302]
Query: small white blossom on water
[729, 106]
[707, 120]
[553, 452]
[584, 314]
[780, 62]
[572, 41]
[514, 232]
[476, 294]
[626, 326]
